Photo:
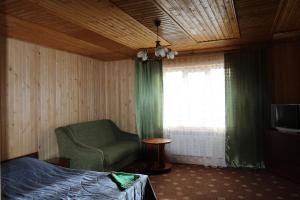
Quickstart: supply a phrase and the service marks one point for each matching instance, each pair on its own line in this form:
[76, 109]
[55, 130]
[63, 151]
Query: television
[286, 117]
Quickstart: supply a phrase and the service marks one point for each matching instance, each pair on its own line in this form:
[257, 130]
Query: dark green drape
[149, 98]
[247, 107]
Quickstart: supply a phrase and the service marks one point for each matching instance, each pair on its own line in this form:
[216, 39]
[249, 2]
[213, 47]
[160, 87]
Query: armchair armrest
[81, 156]
[122, 135]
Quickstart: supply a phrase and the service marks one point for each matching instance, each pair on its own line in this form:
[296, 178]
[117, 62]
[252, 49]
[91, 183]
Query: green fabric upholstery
[124, 162]
[115, 152]
[97, 145]
[88, 133]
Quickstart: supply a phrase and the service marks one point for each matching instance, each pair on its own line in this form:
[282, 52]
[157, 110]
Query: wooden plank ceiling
[288, 16]
[203, 20]
[116, 29]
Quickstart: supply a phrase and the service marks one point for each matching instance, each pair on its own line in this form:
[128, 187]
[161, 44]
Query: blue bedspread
[28, 178]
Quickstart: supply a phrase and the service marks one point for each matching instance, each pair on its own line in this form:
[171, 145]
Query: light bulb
[171, 55]
[156, 52]
[145, 57]
[162, 52]
[140, 54]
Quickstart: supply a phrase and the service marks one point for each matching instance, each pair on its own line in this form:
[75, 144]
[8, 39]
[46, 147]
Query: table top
[157, 141]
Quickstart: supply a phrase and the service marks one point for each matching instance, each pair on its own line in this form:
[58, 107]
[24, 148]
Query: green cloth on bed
[123, 180]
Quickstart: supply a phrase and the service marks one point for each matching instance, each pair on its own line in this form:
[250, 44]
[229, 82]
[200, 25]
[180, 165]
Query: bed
[30, 178]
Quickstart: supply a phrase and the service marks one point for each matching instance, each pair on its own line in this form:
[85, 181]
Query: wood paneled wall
[47, 88]
[120, 97]
[286, 72]
[2, 93]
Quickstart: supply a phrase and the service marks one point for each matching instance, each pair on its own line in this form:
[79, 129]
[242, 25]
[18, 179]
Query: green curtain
[149, 98]
[247, 107]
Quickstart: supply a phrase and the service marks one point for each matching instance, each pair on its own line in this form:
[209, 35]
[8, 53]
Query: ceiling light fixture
[159, 51]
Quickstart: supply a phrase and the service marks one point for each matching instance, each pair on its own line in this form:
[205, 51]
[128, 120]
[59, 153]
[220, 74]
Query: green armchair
[97, 145]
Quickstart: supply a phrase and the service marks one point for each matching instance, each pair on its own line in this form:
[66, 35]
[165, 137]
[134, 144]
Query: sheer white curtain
[194, 109]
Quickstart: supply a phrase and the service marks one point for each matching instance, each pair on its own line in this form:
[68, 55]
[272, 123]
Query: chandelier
[159, 50]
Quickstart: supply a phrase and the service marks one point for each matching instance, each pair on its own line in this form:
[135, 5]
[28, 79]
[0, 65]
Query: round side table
[157, 163]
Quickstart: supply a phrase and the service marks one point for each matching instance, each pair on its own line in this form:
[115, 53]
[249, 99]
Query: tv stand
[283, 154]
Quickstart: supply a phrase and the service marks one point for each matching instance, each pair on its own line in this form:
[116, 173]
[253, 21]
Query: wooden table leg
[161, 158]
[150, 159]
[156, 160]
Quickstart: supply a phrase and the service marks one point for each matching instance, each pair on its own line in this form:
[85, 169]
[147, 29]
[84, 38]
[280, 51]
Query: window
[194, 109]
[194, 96]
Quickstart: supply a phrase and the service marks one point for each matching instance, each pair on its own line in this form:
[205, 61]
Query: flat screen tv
[286, 117]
